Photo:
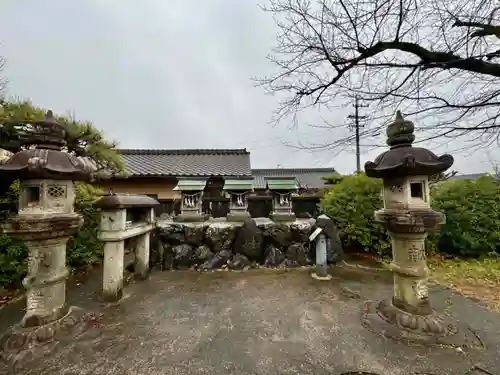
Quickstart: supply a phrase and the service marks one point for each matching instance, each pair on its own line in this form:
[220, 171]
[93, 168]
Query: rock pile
[237, 246]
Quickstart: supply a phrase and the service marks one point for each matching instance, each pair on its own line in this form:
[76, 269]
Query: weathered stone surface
[279, 234]
[273, 257]
[334, 250]
[239, 262]
[167, 255]
[182, 255]
[172, 233]
[216, 261]
[260, 241]
[201, 254]
[298, 254]
[249, 241]
[195, 233]
[220, 236]
[301, 230]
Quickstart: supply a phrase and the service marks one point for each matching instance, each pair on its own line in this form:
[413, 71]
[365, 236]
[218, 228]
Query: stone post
[115, 229]
[141, 267]
[408, 218]
[112, 278]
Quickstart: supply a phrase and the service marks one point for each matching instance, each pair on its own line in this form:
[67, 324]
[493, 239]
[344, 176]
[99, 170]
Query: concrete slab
[258, 322]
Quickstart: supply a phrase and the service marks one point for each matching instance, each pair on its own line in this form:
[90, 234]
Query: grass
[479, 279]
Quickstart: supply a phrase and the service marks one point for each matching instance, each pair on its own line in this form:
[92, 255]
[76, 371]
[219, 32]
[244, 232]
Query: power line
[356, 116]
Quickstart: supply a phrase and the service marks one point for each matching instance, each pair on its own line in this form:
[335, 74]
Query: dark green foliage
[351, 202]
[472, 210]
[82, 137]
[13, 264]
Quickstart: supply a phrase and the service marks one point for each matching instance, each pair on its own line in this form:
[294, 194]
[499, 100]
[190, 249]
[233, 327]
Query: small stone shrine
[237, 191]
[408, 218]
[282, 189]
[124, 217]
[45, 221]
[191, 200]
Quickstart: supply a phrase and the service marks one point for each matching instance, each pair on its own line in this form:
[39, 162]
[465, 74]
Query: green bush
[472, 210]
[351, 203]
[82, 249]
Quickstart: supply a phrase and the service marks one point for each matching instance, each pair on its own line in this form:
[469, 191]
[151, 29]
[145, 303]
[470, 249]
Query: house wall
[161, 187]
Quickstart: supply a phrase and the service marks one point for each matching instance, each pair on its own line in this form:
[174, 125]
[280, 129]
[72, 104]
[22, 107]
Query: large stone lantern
[45, 221]
[408, 218]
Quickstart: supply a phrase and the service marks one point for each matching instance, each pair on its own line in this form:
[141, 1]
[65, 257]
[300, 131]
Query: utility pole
[357, 125]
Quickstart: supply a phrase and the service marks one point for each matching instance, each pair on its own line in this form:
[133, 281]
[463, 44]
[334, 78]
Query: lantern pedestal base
[21, 343]
[432, 329]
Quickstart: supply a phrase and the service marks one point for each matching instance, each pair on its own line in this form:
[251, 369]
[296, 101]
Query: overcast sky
[167, 74]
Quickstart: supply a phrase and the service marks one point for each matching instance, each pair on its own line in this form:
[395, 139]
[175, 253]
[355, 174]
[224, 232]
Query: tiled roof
[309, 178]
[196, 162]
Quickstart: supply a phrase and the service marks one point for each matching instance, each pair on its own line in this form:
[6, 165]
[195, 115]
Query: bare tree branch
[436, 61]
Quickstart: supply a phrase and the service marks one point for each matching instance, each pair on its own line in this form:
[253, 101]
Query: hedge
[472, 209]
[83, 248]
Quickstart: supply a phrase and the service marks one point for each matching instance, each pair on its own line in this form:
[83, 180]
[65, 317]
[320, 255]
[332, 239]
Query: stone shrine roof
[307, 178]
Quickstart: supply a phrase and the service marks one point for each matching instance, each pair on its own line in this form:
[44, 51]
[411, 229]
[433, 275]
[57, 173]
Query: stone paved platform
[256, 322]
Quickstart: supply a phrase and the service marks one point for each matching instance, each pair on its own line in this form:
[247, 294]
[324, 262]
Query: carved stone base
[238, 216]
[432, 329]
[196, 218]
[283, 217]
[20, 343]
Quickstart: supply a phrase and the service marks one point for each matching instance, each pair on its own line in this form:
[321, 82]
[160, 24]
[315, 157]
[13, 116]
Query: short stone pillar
[408, 218]
[237, 190]
[191, 200]
[282, 189]
[46, 219]
[123, 217]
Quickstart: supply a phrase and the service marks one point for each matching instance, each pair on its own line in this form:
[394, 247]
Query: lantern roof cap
[402, 159]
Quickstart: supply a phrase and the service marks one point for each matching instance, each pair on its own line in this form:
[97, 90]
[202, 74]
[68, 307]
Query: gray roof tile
[196, 162]
[310, 178]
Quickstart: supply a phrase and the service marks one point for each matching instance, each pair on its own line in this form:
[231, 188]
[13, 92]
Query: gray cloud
[167, 74]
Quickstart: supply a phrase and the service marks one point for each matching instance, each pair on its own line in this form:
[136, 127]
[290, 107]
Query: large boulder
[297, 253]
[239, 262]
[182, 255]
[220, 236]
[171, 233]
[216, 261]
[279, 234]
[201, 254]
[334, 251]
[273, 256]
[167, 257]
[301, 230]
[194, 233]
[248, 241]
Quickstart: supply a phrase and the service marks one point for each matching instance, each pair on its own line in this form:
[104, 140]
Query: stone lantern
[45, 221]
[408, 218]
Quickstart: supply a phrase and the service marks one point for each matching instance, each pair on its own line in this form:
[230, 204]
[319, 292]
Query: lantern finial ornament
[400, 132]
